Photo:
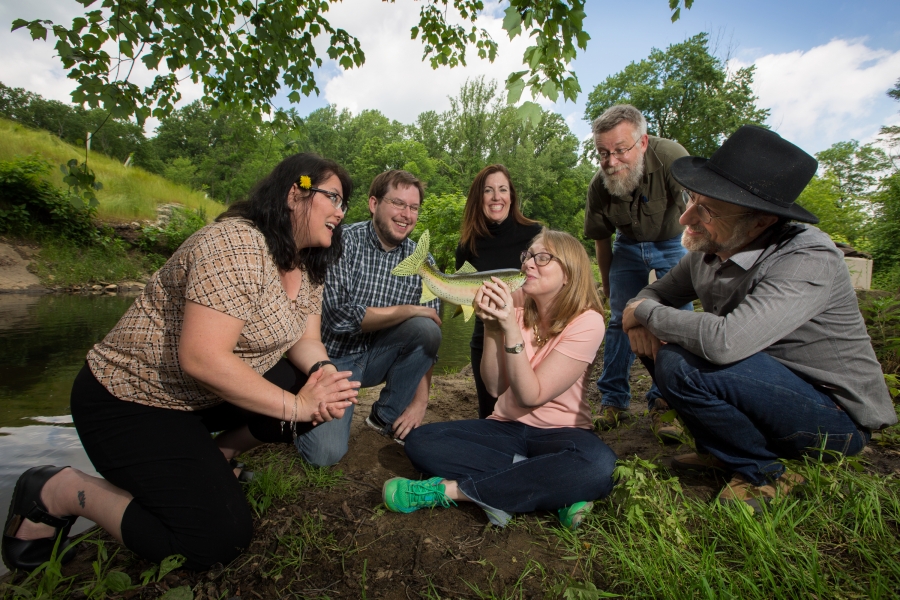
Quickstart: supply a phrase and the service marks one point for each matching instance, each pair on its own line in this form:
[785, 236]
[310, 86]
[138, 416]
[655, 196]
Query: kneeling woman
[537, 451]
[202, 349]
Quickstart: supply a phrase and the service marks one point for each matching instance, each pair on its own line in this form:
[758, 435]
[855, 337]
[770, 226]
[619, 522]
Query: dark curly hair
[267, 208]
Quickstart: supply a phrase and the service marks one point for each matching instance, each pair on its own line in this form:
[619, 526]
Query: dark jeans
[186, 498]
[512, 467]
[399, 357]
[753, 412]
[632, 262]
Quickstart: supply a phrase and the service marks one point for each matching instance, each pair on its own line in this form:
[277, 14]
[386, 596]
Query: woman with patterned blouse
[225, 337]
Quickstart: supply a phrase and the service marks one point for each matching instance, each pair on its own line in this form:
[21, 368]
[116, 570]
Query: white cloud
[827, 94]
[34, 65]
[394, 79]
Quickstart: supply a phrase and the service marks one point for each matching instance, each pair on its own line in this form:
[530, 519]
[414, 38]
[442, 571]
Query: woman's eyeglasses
[541, 259]
[336, 199]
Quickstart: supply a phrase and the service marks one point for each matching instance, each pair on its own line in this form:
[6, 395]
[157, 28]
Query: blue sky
[823, 67]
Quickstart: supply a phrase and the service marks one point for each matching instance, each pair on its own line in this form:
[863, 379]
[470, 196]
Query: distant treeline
[686, 93]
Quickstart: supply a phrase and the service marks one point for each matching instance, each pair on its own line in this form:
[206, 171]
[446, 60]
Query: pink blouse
[579, 340]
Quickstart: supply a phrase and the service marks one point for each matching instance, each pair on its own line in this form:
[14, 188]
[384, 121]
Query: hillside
[128, 194]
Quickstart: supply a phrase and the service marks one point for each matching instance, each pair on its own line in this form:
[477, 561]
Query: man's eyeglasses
[619, 154]
[336, 199]
[702, 212]
[401, 205]
[541, 259]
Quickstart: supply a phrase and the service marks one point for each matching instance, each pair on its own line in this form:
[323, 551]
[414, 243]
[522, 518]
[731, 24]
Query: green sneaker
[571, 516]
[405, 495]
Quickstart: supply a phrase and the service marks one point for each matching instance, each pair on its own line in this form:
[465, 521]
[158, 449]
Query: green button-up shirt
[652, 211]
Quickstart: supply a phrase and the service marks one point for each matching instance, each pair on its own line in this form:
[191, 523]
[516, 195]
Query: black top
[500, 250]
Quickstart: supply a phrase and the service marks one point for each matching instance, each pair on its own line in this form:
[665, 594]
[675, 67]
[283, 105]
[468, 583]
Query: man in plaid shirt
[373, 323]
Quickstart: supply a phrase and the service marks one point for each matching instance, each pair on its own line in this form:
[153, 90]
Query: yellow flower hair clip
[305, 182]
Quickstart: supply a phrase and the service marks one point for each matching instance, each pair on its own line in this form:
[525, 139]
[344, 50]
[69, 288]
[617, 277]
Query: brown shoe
[741, 490]
[665, 424]
[698, 462]
[610, 418]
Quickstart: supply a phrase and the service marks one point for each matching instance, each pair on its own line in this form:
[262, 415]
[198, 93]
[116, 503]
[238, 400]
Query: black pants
[186, 498]
[486, 402]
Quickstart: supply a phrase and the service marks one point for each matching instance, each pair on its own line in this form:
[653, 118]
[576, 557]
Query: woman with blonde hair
[537, 451]
[493, 234]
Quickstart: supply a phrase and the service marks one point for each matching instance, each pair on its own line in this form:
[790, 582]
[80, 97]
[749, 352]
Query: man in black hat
[779, 363]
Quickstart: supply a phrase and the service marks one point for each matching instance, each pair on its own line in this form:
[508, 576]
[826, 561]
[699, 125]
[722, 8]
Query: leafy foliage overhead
[242, 52]
[686, 94]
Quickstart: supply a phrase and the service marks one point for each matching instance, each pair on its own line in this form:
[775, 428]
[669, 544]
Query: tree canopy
[242, 52]
[686, 94]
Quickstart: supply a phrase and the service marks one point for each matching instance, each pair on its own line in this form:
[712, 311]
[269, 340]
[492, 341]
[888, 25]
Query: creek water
[43, 343]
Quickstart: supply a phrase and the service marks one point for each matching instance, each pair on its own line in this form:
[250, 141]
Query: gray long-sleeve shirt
[787, 294]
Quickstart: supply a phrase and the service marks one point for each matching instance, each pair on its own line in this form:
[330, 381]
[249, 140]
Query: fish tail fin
[410, 265]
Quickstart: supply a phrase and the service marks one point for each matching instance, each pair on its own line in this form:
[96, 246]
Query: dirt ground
[349, 547]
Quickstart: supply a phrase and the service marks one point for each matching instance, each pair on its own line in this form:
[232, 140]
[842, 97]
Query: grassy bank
[128, 194]
[77, 245]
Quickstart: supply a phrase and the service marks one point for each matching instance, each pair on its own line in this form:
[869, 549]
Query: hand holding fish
[494, 305]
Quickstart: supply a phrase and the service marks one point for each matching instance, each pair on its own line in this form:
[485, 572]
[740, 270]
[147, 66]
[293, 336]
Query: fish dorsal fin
[467, 268]
[410, 265]
[427, 294]
[468, 311]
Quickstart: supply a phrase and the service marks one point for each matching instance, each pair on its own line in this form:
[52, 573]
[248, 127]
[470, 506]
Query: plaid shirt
[361, 279]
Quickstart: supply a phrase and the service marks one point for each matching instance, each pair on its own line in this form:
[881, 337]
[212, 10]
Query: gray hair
[619, 113]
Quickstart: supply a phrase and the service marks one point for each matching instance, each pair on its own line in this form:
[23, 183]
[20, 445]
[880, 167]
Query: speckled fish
[459, 288]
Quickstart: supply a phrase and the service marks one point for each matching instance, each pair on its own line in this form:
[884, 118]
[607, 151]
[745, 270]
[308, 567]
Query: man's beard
[704, 244]
[624, 181]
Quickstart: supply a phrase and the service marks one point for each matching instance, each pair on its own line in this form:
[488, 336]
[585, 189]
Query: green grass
[64, 264]
[838, 538]
[128, 193]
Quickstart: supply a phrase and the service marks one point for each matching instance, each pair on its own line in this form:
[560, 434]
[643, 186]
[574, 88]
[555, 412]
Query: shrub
[166, 239]
[32, 206]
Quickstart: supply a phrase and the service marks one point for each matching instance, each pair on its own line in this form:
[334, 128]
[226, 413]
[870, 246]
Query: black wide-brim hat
[756, 168]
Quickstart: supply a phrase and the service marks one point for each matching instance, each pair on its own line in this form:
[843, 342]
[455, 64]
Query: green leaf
[169, 564]
[180, 593]
[117, 581]
[515, 89]
[512, 21]
[529, 112]
[550, 91]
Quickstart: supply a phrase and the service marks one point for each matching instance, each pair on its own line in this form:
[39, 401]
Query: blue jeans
[399, 357]
[631, 265]
[753, 412]
[511, 467]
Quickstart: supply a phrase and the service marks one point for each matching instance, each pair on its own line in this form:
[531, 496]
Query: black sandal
[244, 476]
[26, 504]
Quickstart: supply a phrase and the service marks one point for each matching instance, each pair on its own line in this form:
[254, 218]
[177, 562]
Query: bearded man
[635, 197]
[779, 364]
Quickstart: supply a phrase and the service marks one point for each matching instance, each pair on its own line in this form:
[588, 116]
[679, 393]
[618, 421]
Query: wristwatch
[517, 349]
[319, 365]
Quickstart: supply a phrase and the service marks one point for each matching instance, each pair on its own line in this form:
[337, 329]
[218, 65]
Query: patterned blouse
[225, 266]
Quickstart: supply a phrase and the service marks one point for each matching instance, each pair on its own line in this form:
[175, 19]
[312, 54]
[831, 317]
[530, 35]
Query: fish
[458, 288]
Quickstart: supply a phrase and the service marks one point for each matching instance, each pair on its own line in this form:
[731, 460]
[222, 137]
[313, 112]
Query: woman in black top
[493, 234]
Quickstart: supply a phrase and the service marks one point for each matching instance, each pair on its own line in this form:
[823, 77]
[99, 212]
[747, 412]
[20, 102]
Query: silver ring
[503, 307]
